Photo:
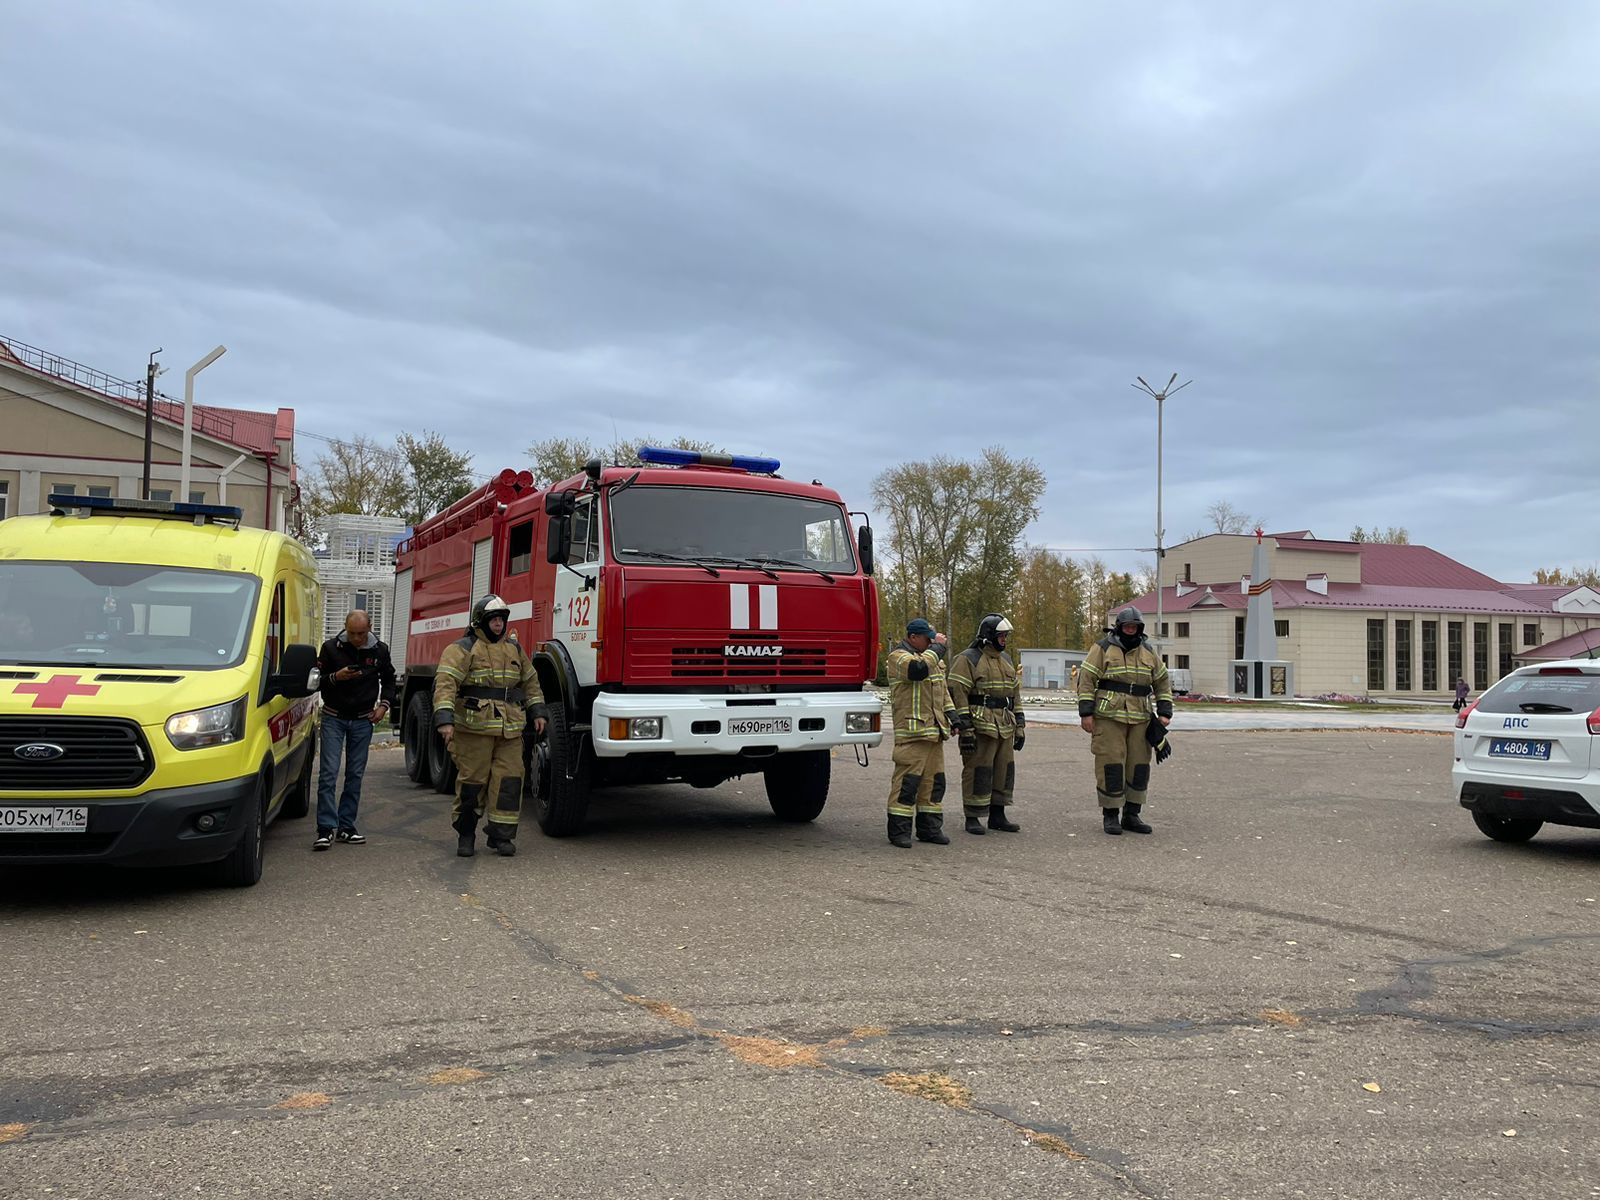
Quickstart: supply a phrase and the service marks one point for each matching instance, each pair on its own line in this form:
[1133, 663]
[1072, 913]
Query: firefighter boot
[930, 828]
[466, 826]
[500, 838]
[1131, 820]
[997, 820]
[900, 831]
[1110, 823]
[974, 825]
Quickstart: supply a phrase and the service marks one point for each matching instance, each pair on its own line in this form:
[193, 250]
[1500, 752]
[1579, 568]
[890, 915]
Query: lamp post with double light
[1161, 400]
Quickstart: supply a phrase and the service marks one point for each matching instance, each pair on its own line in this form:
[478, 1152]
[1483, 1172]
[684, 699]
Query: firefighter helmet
[486, 608]
[990, 630]
[1128, 616]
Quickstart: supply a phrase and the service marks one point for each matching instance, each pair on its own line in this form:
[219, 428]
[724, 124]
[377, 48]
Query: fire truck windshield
[783, 533]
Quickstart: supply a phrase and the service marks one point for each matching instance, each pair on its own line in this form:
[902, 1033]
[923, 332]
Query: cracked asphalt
[1317, 979]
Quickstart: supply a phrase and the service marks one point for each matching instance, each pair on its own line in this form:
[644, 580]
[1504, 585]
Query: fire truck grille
[713, 662]
[691, 657]
[71, 754]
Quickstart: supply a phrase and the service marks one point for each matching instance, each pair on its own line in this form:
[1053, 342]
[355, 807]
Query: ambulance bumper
[625, 723]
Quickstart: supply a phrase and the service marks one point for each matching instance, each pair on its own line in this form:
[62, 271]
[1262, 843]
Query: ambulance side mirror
[296, 678]
[864, 544]
[558, 540]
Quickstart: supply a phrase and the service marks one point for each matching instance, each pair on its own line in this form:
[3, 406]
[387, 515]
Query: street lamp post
[1161, 400]
[150, 372]
[188, 415]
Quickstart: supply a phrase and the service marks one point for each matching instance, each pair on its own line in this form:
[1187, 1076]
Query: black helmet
[990, 629]
[485, 608]
[1128, 616]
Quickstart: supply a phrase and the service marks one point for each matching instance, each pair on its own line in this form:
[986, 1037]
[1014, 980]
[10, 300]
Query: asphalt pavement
[1316, 979]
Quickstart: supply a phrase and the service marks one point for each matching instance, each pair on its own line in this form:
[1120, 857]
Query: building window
[1402, 656]
[1281, 628]
[1480, 655]
[197, 497]
[1183, 662]
[1375, 656]
[1503, 634]
[1453, 641]
[1188, 573]
[162, 494]
[63, 489]
[100, 490]
[1530, 634]
[1238, 637]
[1163, 632]
[1430, 656]
[5, 499]
[1183, 629]
[362, 601]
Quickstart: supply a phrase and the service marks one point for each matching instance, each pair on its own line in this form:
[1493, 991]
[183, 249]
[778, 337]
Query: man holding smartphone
[357, 688]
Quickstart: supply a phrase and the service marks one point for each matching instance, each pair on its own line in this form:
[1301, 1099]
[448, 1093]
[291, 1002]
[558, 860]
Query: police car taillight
[1461, 717]
[1594, 722]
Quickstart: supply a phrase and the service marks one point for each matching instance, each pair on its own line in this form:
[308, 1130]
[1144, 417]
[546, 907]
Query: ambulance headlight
[215, 726]
[861, 722]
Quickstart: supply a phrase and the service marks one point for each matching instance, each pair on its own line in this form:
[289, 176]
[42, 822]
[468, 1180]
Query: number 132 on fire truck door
[577, 615]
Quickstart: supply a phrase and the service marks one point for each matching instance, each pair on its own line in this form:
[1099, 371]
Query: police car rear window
[1552, 693]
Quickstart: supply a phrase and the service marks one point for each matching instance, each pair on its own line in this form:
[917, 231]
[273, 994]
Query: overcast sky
[854, 234]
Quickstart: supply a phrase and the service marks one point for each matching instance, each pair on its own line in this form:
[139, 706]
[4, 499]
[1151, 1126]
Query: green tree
[357, 476]
[1570, 577]
[556, 459]
[436, 476]
[1047, 604]
[1394, 535]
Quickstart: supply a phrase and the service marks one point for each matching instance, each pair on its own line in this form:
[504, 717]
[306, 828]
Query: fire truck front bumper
[627, 723]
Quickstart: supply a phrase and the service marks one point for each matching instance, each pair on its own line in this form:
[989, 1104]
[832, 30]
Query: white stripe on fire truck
[738, 606]
[522, 610]
[769, 606]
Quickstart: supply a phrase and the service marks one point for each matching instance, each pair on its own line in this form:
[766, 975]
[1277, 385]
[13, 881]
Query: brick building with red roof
[1363, 618]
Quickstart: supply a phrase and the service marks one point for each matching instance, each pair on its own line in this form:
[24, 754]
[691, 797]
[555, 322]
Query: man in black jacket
[357, 691]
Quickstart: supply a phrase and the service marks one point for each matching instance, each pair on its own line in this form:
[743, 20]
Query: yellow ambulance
[157, 685]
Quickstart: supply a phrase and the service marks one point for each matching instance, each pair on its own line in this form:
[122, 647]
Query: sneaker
[352, 837]
[324, 840]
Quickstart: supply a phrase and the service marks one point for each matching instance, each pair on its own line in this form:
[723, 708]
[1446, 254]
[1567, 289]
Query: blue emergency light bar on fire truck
[200, 514]
[666, 457]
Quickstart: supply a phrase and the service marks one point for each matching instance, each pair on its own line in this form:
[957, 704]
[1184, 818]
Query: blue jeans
[352, 737]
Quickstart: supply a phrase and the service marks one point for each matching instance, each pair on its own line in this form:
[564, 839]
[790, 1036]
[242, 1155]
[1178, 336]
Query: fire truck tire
[797, 789]
[441, 765]
[560, 805]
[415, 735]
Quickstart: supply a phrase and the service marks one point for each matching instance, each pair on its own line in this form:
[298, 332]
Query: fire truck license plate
[759, 725]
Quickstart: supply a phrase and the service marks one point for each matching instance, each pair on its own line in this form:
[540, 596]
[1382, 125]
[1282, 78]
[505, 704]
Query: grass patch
[301, 1101]
[1283, 1017]
[941, 1089]
[1055, 1145]
[771, 1052]
[14, 1132]
[457, 1075]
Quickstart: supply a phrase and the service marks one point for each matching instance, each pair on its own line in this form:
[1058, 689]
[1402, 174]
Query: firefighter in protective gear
[1122, 686]
[484, 696]
[984, 685]
[923, 720]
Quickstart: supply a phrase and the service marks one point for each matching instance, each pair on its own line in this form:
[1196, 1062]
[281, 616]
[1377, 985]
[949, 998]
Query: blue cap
[918, 625]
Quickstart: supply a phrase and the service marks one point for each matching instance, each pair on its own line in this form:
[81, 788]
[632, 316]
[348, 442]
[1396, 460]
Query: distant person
[984, 685]
[1122, 687]
[357, 692]
[1462, 692]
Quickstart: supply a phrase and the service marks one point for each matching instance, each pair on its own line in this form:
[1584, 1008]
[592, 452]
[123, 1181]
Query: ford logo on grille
[39, 751]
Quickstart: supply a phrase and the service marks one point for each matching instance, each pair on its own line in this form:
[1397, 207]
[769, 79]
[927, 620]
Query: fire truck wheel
[441, 763]
[560, 804]
[798, 788]
[415, 735]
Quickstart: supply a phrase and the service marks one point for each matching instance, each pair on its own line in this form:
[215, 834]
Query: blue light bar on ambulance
[666, 457]
[118, 507]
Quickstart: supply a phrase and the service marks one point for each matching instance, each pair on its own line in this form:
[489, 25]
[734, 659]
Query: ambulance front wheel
[797, 784]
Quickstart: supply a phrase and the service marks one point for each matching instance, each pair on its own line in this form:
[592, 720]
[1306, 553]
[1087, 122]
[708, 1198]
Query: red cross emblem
[56, 692]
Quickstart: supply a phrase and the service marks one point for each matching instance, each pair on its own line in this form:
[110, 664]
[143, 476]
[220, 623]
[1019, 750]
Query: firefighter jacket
[918, 697]
[983, 681]
[1129, 686]
[486, 687]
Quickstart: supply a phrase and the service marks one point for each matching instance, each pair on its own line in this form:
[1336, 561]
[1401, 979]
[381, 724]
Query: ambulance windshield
[784, 533]
[123, 615]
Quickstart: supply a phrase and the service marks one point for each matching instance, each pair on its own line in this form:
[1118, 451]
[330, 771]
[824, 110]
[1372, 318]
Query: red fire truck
[695, 617]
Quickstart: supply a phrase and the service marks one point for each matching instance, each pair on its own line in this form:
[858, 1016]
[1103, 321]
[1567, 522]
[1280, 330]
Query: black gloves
[1156, 734]
[1164, 708]
[960, 720]
[1016, 742]
[917, 669]
[967, 739]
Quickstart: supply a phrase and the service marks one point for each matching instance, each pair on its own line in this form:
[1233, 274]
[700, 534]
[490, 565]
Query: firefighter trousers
[1121, 762]
[988, 774]
[918, 784]
[489, 776]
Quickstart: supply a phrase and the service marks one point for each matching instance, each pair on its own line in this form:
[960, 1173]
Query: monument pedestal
[1261, 679]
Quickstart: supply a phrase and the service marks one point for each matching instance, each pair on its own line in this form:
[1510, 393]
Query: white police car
[1528, 751]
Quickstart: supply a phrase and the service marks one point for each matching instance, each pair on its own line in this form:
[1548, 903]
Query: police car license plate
[1518, 748]
[44, 820]
[747, 726]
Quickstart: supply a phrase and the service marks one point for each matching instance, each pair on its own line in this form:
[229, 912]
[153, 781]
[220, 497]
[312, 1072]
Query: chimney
[1244, 585]
[1317, 583]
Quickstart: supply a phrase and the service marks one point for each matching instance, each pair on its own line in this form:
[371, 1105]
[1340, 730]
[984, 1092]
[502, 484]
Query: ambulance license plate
[44, 820]
[759, 726]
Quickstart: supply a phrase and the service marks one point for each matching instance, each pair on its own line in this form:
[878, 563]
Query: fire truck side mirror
[560, 504]
[558, 541]
[864, 543]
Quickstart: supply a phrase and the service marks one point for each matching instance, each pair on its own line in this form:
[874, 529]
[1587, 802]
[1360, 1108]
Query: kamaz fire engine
[692, 618]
